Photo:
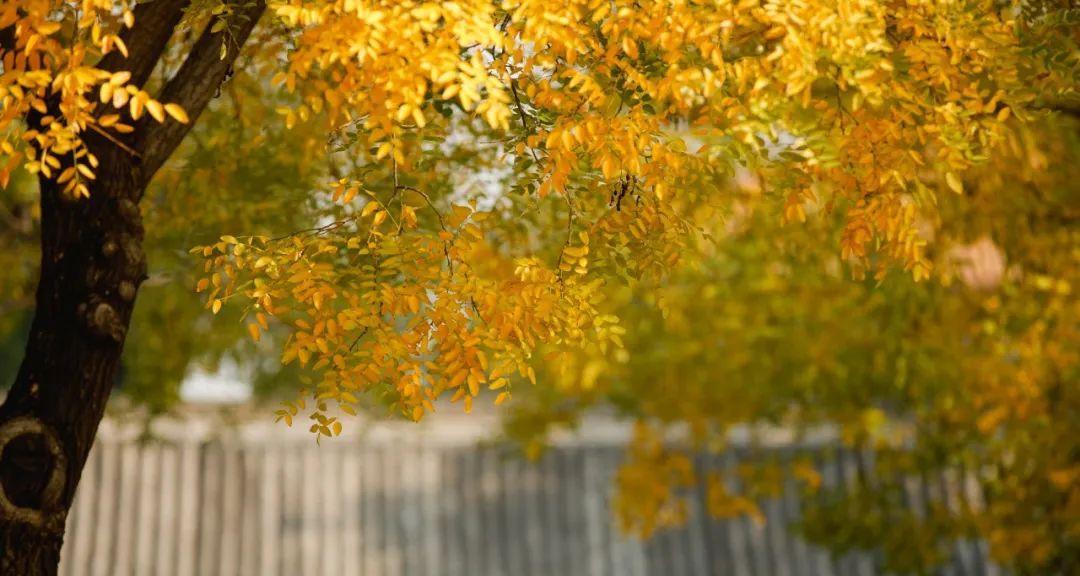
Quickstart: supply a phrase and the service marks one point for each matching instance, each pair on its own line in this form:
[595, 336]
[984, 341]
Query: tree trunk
[92, 264]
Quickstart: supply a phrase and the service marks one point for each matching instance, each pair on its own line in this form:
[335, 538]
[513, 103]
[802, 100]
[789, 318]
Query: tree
[496, 168]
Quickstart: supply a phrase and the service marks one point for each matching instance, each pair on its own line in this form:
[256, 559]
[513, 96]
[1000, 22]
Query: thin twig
[570, 217]
[131, 151]
[442, 223]
[357, 340]
[316, 231]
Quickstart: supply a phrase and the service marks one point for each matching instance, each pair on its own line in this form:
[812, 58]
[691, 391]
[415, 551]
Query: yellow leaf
[120, 46]
[253, 329]
[954, 183]
[135, 107]
[119, 97]
[48, 28]
[178, 113]
[156, 110]
[216, 306]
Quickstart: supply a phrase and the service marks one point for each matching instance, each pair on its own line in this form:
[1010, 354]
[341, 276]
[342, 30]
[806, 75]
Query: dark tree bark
[92, 264]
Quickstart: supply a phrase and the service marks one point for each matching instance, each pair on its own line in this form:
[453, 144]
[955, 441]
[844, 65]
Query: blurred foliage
[976, 372]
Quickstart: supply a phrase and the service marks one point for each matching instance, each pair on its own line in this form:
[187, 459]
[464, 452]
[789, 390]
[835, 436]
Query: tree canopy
[857, 213]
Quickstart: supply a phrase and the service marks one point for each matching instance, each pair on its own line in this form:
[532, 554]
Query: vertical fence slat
[371, 510]
[230, 505]
[431, 471]
[210, 510]
[146, 519]
[329, 488]
[103, 526]
[291, 516]
[168, 513]
[350, 535]
[251, 510]
[309, 511]
[187, 532]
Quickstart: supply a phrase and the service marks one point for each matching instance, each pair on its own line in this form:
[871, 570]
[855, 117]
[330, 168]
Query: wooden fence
[399, 506]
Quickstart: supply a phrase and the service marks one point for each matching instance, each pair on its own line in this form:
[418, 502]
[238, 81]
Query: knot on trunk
[33, 468]
[129, 211]
[134, 258]
[103, 320]
[127, 291]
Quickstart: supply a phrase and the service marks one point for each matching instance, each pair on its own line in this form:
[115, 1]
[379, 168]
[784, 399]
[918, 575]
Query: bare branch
[196, 82]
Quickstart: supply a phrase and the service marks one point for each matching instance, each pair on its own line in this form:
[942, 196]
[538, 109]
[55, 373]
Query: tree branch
[1065, 108]
[196, 82]
[146, 41]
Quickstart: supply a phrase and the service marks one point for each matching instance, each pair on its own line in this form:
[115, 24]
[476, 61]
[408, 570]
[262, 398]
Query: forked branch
[196, 82]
